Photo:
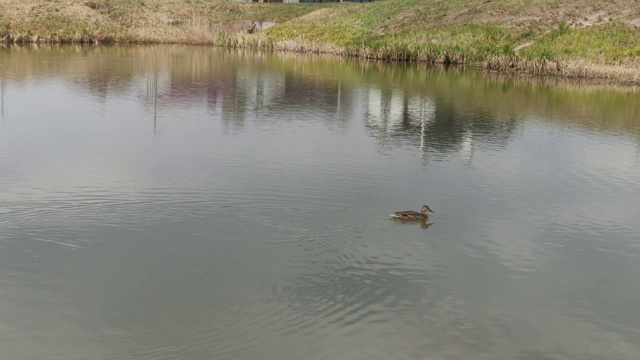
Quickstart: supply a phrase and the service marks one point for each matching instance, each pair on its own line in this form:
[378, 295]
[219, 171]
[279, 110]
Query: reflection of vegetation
[237, 82]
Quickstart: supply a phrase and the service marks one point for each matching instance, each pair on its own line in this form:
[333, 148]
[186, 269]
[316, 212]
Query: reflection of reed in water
[152, 96]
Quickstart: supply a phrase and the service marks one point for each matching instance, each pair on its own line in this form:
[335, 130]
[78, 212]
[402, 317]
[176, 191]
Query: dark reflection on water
[188, 202]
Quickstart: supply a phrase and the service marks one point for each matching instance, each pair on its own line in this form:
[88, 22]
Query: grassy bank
[588, 39]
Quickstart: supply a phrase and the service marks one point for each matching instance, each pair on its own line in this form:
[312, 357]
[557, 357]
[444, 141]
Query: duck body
[413, 215]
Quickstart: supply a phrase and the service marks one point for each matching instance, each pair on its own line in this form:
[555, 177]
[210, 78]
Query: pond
[169, 202]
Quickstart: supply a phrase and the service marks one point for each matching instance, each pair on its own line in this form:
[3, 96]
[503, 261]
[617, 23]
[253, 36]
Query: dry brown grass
[576, 69]
[519, 13]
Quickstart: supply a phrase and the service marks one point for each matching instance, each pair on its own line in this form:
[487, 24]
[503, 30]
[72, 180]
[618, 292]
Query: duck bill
[431, 211]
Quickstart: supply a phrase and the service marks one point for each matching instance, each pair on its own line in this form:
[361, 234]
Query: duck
[413, 215]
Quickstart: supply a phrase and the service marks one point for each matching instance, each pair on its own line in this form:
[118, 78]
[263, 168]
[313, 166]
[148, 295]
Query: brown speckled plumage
[413, 215]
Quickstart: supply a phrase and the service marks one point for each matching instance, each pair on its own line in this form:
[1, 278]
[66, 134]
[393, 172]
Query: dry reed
[577, 69]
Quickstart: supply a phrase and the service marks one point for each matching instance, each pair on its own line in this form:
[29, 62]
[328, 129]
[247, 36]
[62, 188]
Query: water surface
[195, 203]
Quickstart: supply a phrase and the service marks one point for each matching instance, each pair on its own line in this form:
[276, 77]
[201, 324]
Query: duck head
[425, 208]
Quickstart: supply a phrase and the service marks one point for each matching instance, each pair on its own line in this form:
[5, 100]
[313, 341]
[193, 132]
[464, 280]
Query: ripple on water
[329, 283]
[340, 288]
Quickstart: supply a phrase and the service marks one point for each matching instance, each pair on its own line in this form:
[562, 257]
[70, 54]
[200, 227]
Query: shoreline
[551, 49]
[573, 72]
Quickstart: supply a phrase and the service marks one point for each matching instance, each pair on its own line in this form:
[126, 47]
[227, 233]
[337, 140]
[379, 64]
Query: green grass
[459, 43]
[471, 31]
[612, 43]
[469, 43]
[4, 28]
[339, 35]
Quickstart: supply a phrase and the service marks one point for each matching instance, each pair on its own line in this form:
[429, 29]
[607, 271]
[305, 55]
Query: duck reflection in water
[423, 223]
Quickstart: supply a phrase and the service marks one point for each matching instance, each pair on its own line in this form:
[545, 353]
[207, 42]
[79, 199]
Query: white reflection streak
[375, 107]
[60, 243]
[396, 109]
[422, 127]
[339, 98]
[152, 91]
[466, 151]
[424, 119]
